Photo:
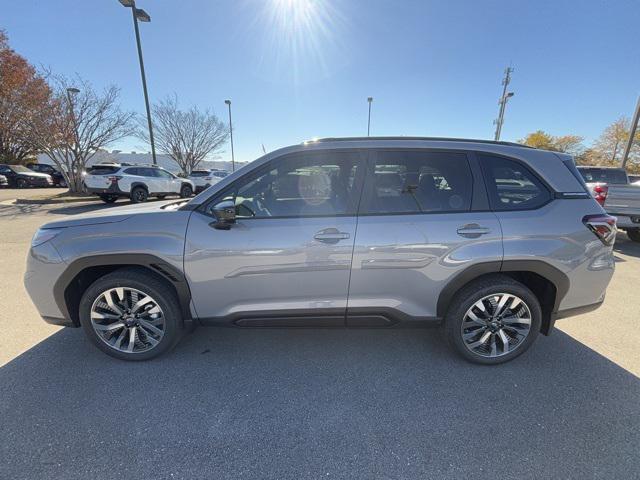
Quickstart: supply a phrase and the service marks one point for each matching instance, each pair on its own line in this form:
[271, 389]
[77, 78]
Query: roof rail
[436, 139]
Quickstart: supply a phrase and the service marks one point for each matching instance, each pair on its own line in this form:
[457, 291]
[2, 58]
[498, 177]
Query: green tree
[571, 144]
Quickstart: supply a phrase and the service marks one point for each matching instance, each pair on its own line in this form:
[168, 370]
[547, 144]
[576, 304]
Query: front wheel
[21, 183]
[186, 191]
[634, 234]
[493, 320]
[131, 315]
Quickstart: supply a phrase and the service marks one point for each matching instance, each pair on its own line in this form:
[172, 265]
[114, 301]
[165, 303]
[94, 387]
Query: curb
[51, 201]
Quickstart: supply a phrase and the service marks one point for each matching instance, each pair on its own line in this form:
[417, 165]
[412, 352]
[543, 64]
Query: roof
[431, 139]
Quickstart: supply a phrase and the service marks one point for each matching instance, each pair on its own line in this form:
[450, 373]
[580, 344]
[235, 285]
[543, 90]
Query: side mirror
[225, 213]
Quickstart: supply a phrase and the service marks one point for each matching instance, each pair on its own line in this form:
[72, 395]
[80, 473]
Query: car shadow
[626, 246]
[231, 403]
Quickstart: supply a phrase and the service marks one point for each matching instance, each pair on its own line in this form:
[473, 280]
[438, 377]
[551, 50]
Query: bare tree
[74, 126]
[188, 137]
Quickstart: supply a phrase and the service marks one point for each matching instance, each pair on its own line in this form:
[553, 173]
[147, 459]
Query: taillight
[603, 226]
[601, 192]
[114, 179]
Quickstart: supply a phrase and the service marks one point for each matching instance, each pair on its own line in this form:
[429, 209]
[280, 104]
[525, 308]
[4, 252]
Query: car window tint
[299, 186]
[132, 171]
[102, 170]
[511, 185]
[414, 181]
[162, 174]
[199, 173]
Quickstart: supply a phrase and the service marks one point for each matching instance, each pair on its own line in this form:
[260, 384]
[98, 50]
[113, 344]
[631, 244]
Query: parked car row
[19, 176]
[203, 179]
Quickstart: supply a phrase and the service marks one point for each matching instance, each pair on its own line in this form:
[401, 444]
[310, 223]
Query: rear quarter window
[511, 185]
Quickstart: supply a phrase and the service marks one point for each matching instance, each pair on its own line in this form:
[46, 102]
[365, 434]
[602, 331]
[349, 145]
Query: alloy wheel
[127, 320]
[496, 325]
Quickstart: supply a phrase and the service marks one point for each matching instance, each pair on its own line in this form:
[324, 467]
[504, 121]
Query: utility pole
[503, 102]
[632, 134]
[369, 100]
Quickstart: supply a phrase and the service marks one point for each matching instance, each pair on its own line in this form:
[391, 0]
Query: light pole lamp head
[510, 94]
[227, 102]
[72, 90]
[369, 99]
[128, 3]
[142, 16]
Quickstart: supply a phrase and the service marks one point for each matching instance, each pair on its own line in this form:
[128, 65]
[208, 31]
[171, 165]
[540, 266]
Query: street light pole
[233, 160]
[369, 100]
[139, 14]
[503, 102]
[632, 134]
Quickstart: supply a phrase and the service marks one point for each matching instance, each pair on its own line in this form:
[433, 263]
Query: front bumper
[44, 267]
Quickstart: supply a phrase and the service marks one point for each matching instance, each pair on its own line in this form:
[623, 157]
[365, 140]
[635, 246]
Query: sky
[298, 69]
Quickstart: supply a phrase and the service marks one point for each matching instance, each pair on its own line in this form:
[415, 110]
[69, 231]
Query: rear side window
[414, 181]
[102, 170]
[604, 175]
[512, 186]
[132, 171]
[199, 173]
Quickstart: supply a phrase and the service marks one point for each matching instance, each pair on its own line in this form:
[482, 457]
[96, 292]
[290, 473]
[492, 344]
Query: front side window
[299, 185]
[511, 185]
[416, 181]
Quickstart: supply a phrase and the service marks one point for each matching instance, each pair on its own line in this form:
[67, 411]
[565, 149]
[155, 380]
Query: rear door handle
[331, 235]
[472, 230]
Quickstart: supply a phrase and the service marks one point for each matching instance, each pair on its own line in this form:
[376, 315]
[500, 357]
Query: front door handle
[331, 235]
[472, 230]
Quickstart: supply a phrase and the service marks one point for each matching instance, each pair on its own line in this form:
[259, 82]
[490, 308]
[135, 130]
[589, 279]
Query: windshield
[20, 169]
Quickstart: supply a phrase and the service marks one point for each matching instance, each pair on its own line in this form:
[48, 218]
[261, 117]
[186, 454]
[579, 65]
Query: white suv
[203, 179]
[138, 182]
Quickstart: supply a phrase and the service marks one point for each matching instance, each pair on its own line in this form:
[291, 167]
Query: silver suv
[492, 241]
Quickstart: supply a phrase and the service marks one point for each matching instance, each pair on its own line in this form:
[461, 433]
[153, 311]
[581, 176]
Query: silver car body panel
[402, 263]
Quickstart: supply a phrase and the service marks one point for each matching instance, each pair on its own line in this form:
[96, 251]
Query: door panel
[416, 231]
[289, 252]
[269, 266]
[402, 262]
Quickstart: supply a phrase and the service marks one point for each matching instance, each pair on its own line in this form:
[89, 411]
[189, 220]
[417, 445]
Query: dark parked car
[21, 177]
[56, 175]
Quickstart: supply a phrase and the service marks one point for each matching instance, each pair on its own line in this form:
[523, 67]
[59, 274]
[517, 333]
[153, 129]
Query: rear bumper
[113, 189]
[572, 312]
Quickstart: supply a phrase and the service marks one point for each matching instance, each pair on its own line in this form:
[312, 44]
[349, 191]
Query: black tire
[139, 195]
[634, 234]
[21, 183]
[186, 191]
[108, 198]
[481, 288]
[149, 284]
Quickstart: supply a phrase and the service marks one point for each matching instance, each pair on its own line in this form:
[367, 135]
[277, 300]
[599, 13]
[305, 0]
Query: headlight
[44, 235]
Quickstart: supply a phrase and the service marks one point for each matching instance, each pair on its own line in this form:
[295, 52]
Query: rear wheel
[131, 315]
[139, 195]
[186, 191]
[634, 234]
[493, 320]
[108, 198]
[21, 183]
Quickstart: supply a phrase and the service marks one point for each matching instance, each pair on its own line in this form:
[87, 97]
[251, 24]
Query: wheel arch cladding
[547, 283]
[71, 285]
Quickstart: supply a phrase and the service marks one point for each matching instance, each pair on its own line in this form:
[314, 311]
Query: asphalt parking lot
[297, 404]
